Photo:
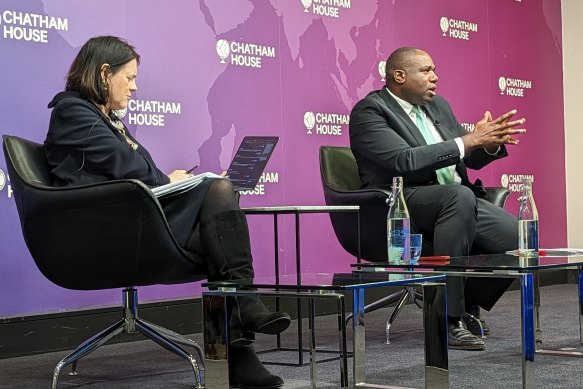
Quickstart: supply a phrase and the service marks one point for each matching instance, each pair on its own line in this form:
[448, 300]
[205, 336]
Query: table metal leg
[216, 338]
[565, 351]
[537, 323]
[276, 269]
[435, 329]
[528, 330]
[358, 357]
[580, 290]
[299, 280]
[342, 342]
[312, 325]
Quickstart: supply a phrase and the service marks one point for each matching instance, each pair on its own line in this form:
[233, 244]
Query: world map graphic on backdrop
[304, 49]
[203, 114]
[211, 74]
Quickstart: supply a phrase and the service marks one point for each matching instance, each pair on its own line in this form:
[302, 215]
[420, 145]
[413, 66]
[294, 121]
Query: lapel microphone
[435, 122]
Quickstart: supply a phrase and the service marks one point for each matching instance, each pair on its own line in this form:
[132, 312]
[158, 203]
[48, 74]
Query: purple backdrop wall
[292, 68]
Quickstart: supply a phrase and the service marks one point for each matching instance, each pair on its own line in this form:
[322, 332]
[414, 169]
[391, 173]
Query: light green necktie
[444, 175]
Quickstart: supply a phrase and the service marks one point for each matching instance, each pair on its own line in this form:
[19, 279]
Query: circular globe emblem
[2, 179]
[223, 49]
[502, 84]
[504, 180]
[382, 70]
[309, 121]
[444, 24]
[306, 4]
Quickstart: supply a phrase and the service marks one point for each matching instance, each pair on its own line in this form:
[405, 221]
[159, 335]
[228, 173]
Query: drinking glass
[416, 244]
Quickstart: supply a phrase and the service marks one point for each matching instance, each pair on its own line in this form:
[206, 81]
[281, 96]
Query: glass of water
[416, 244]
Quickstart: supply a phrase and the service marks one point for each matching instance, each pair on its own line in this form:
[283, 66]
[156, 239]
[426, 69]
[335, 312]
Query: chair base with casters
[408, 295]
[131, 323]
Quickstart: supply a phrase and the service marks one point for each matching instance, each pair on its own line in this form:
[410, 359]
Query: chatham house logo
[382, 68]
[513, 86]
[2, 179]
[309, 121]
[4, 182]
[502, 84]
[151, 112]
[444, 24]
[457, 29]
[242, 53]
[223, 49]
[513, 182]
[323, 123]
[30, 27]
[330, 8]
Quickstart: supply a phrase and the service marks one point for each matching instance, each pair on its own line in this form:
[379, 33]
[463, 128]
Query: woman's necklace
[118, 124]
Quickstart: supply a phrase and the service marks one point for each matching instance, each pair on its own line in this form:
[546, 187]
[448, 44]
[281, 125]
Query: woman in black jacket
[88, 143]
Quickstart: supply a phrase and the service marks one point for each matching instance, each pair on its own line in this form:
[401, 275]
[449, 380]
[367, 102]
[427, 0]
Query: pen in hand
[192, 169]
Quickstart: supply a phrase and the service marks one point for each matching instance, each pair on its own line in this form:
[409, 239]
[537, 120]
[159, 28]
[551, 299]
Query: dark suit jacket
[386, 143]
[82, 147]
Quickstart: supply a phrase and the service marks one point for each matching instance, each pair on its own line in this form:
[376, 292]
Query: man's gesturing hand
[493, 133]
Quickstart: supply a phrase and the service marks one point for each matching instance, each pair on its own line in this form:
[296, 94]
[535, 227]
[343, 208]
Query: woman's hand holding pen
[178, 175]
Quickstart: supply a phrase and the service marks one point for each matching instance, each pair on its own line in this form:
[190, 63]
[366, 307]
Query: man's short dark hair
[85, 72]
[398, 58]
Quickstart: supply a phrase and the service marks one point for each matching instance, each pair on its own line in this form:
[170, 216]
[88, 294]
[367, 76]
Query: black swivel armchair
[342, 186]
[100, 236]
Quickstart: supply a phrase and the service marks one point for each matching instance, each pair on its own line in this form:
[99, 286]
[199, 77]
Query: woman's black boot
[247, 371]
[226, 237]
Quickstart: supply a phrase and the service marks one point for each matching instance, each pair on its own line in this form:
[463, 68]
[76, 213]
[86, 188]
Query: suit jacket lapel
[402, 116]
[437, 119]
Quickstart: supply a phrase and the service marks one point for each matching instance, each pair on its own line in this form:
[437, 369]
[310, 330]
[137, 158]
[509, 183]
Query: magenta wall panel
[214, 71]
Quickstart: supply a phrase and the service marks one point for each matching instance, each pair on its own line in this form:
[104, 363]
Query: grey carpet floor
[143, 364]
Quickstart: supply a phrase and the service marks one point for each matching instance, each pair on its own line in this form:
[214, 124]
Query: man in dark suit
[406, 130]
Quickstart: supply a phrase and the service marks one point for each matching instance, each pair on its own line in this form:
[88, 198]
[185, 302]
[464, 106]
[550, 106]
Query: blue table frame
[524, 268]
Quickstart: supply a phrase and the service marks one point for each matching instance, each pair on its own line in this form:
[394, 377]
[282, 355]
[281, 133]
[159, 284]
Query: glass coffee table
[526, 269]
[217, 303]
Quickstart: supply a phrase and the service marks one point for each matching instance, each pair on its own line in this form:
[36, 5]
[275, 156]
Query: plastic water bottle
[398, 225]
[527, 220]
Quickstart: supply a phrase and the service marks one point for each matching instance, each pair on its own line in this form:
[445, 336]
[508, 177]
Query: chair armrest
[115, 234]
[46, 200]
[361, 197]
[496, 195]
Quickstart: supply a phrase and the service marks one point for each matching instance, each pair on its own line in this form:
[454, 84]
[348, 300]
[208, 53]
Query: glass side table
[217, 303]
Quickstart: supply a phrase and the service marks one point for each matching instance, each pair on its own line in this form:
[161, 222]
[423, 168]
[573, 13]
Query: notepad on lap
[178, 187]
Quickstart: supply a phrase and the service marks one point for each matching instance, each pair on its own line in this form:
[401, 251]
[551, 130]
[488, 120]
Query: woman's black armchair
[100, 236]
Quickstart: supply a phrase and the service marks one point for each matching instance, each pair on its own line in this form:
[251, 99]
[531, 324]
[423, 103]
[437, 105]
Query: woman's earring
[104, 85]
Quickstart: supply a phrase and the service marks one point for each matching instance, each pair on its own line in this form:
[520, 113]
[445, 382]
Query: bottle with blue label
[398, 231]
[527, 221]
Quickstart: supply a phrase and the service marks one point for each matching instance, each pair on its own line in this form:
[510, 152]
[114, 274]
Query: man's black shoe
[473, 324]
[471, 319]
[459, 338]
